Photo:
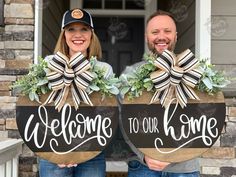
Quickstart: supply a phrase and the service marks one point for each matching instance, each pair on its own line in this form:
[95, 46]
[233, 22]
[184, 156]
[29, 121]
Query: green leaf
[31, 96]
[42, 82]
[208, 83]
[108, 87]
[124, 90]
[36, 97]
[94, 88]
[114, 91]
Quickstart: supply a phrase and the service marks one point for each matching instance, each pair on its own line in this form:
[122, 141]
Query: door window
[114, 4]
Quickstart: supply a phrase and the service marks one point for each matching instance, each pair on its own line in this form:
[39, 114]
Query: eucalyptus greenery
[107, 86]
[212, 80]
[138, 79]
[35, 82]
[133, 83]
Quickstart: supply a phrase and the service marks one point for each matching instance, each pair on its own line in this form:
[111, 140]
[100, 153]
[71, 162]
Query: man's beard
[152, 48]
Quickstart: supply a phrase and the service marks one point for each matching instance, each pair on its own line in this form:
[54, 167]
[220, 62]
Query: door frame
[150, 8]
[202, 25]
[202, 22]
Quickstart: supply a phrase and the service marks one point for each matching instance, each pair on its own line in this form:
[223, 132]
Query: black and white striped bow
[69, 74]
[175, 78]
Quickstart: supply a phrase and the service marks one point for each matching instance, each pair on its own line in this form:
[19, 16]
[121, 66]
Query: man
[160, 34]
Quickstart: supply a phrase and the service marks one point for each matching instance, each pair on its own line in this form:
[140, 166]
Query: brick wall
[16, 53]
[220, 160]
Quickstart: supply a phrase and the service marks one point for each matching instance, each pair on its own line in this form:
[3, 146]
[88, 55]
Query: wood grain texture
[204, 98]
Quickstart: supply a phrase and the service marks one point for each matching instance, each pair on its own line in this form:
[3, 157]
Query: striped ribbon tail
[79, 95]
[58, 97]
[183, 92]
[161, 96]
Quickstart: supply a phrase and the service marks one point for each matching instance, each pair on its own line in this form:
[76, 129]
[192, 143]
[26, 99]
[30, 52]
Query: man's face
[161, 34]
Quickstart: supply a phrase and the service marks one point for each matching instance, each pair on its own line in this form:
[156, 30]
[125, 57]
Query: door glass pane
[135, 4]
[92, 4]
[113, 4]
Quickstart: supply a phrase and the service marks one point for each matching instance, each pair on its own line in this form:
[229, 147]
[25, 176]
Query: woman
[77, 35]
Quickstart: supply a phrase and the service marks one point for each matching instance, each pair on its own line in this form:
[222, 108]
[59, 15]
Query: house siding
[223, 41]
[223, 32]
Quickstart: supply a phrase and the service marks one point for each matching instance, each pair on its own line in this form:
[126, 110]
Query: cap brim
[76, 21]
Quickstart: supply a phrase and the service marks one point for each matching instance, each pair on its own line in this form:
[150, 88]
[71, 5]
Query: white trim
[151, 7]
[203, 29]
[75, 4]
[112, 12]
[38, 26]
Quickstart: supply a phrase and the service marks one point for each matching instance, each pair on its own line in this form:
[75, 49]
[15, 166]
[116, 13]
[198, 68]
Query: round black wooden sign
[68, 136]
[173, 134]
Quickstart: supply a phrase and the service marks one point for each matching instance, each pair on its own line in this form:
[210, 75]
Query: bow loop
[187, 61]
[165, 61]
[160, 79]
[58, 63]
[69, 73]
[176, 78]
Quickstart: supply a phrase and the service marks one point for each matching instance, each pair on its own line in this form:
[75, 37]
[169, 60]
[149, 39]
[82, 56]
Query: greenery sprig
[107, 86]
[135, 82]
[35, 82]
[212, 80]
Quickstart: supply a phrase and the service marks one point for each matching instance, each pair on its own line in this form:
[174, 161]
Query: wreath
[57, 75]
[169, 76]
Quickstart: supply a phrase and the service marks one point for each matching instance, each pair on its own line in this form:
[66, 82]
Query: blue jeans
[93, 168]
[136, 169]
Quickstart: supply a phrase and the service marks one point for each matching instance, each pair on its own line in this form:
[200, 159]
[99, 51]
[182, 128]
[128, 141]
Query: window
[93, 4]
[1, 13]
[114, 4]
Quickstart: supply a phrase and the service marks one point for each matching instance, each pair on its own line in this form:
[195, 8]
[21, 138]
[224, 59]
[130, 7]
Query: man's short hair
[161, 13]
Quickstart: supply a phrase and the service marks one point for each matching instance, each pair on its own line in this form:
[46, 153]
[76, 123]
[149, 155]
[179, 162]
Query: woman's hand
[155, 164]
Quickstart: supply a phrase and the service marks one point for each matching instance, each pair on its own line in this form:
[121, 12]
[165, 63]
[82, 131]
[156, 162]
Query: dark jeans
[93, 168]
[136, 169]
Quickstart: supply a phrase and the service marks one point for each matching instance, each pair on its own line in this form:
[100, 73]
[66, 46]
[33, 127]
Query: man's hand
[155, 164]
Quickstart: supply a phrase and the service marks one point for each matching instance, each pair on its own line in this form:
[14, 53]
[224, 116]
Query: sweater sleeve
[105, 66]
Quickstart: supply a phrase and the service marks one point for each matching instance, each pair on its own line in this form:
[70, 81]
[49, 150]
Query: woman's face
[78, 37]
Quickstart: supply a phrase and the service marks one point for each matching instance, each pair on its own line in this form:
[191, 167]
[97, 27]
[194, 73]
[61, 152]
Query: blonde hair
[94, 48]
